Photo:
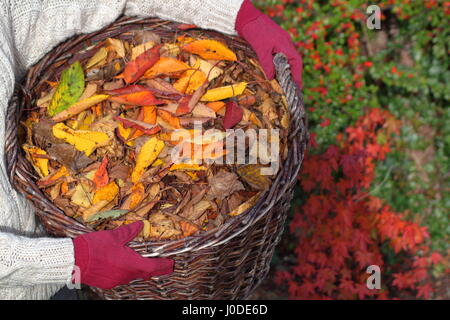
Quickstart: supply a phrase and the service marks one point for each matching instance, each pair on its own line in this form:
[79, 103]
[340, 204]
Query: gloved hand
[105, 261]
[267, 38]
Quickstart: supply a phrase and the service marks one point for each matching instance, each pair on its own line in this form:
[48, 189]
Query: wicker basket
[227, 263]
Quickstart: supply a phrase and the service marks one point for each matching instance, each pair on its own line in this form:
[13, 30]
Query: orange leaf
[136, 68]
[97, 109]
[137, 194]
[101, 178]
[185, 39]
[188, 228]
[210, 50]
[64, 187]
[169, 118]
[53, 178]
[166, 65]
[216, 106]
[190, 81]
[51, 83]
[149, 114]
[106, 193]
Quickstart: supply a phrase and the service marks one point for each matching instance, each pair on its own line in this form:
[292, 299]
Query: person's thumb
[152, 267]
[125, 234]
[265, 58]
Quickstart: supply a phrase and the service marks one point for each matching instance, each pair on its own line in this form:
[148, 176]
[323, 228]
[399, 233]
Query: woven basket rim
[209, 238]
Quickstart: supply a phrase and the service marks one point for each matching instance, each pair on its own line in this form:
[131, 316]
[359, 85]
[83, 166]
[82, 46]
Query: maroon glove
[267, 38]
[105, 261]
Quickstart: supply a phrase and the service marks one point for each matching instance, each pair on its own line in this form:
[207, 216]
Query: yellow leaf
[190, 81]
[225, 92]
[80, 106]
[246, 205]
[141, 49]
[193, 175]
[187, 167]
[170, 49]
[158, 162]
[146, 230]
[147, 155]
[39, 164]
[83, 140]
[208, 68]
[107, 193]
[116, 45]
[82, 196]
[97, 58]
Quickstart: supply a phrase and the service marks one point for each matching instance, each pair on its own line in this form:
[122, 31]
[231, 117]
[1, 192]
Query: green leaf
[69, 89]
[106, 214]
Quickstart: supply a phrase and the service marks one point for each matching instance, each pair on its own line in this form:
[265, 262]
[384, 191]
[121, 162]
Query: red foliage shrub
[341, 227]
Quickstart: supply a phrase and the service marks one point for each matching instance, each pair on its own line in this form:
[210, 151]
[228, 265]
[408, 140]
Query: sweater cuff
[31, 261]
[56, 260]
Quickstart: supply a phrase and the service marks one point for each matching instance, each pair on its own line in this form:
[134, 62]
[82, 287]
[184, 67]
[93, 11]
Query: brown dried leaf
[162, 227]
[69, 157]
[223, 184]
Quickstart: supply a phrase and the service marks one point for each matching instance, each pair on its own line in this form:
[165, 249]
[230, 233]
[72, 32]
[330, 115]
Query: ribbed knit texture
[33, 267]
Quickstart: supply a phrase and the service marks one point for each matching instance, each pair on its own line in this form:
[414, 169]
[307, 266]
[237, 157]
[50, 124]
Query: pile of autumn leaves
[102, 138]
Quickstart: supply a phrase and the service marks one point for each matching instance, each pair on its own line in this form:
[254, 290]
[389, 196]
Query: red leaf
[435, 257]
[139, 125]
[140, 98]
[101, 178]
[424, 291]
[126, 90]
[136, 68]
[188, 103]
[183, 107]
[233, 115]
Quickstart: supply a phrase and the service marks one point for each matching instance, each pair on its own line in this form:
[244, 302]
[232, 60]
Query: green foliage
[69, 89]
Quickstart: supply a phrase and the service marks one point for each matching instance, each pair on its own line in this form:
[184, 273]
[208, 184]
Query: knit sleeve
[38, 26]
[31, 261]
[219, 15]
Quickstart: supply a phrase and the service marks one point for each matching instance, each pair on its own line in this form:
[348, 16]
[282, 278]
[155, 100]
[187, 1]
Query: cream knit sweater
[31, 266]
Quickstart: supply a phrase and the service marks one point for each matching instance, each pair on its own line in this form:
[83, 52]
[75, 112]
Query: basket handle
[294, 98]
